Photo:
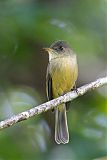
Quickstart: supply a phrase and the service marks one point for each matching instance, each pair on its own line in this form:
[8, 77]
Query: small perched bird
[62, 72]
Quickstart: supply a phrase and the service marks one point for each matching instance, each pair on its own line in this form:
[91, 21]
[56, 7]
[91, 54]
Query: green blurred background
[26, 26]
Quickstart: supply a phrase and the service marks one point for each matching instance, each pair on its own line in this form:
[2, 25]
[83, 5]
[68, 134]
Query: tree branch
[53, 103]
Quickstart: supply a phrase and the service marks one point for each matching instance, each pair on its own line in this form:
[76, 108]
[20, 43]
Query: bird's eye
[61, 48]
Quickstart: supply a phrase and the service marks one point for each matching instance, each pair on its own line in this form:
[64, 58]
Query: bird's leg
[74, 88]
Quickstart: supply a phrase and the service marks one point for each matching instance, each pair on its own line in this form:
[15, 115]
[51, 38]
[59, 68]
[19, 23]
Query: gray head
[61, 47]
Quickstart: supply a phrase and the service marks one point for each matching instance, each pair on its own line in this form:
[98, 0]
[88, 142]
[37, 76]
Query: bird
[61, 76]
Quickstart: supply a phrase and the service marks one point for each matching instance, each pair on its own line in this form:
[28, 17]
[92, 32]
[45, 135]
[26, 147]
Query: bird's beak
[48, 50]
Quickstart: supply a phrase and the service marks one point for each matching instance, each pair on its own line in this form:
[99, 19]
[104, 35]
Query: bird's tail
[61, 127]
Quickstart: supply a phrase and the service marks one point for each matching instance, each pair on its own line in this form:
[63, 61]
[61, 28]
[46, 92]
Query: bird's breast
[64, 74]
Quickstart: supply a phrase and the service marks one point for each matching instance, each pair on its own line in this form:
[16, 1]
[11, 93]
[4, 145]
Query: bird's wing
[49, 86]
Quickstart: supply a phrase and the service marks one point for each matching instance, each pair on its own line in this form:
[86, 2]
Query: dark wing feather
[49, 86]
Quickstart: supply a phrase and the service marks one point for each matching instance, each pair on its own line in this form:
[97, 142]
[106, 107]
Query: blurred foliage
[26, 26]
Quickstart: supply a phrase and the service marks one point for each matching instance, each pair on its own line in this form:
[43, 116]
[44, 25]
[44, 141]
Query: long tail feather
[61, 127]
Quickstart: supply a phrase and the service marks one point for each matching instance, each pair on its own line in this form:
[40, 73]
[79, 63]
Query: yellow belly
[64, 75]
